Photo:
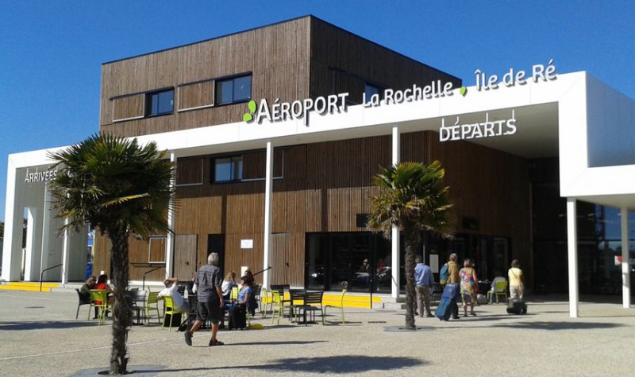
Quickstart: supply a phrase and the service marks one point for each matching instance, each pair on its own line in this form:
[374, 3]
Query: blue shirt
[423, 275]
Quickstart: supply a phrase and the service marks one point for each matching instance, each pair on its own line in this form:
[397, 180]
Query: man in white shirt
[170, 289]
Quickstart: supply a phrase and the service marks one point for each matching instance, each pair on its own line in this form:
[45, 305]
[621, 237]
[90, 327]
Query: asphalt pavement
[39, 336]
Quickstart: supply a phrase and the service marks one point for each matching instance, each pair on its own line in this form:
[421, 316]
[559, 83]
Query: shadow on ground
[15, 326]
[558, 325]
[329, 365]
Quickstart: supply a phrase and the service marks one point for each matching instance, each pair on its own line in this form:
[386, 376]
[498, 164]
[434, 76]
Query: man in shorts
[208, 282]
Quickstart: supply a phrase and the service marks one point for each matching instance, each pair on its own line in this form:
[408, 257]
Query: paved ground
[40, 337]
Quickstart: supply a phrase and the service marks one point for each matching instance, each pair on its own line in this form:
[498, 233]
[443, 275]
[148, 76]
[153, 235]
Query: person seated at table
[84, 291]
[171, 289]
[87, 286]
[245, 295]
[248, 276]
[102, 284]
[228, 284]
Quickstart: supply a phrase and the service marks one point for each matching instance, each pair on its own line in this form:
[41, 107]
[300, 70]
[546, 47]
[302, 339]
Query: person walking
[423, 282]
[208, 282]
[454, 278]
[469, 286]
[516, 284]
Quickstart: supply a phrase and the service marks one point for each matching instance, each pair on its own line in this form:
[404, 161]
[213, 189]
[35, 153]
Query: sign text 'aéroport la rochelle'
[336, 103]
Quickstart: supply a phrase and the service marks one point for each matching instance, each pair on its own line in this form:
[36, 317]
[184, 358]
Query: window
[160, 103]
[228, 169]
[156, 249]
[371, 90]
[236, 89]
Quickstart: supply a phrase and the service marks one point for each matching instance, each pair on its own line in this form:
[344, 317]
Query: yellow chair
[264, 301]
[152, 302]
[500, 289]
[340, 306]
[276, 306]
[171, 310]
[233, 295]
[99, 300]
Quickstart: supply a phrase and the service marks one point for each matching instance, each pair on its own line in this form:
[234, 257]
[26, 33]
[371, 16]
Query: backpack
[444, 274]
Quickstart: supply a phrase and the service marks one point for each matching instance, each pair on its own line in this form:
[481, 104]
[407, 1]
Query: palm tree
[119, 188]
[413, 198]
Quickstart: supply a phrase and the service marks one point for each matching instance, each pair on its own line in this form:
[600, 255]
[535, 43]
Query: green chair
[276, 306]
[152, 302]
[340, 306]
[171, 310]
[500, 289]
[99, 300]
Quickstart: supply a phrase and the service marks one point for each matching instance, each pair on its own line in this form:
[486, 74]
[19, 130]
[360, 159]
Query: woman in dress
[469, 284]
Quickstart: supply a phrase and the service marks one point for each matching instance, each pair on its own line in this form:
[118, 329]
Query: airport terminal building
[277, 132]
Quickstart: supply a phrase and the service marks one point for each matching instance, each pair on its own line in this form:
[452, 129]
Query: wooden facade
[319, 187]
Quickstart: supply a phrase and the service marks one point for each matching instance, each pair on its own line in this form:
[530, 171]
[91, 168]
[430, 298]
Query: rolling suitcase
[448, 297]
[516, 306]
[237, 317]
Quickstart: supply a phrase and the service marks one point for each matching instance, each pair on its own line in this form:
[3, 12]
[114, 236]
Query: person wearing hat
[171, 289]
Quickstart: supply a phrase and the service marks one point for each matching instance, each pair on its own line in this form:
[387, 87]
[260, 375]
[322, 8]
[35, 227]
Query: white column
[626, 265]
[572, 246]
[66, 253]
[12, 247]
[396, 262]
[45, 245]
[31, 257]
[169, 244]
[268, 214]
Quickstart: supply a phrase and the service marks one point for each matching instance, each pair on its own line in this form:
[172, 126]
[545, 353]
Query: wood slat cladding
[189, 171]
[254, 164]
[327, 184]
[474, 174]
[277, 57]
[196, 95]
[128, 107]
[332, 47]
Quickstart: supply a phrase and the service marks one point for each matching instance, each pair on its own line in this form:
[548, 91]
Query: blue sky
[51, 51]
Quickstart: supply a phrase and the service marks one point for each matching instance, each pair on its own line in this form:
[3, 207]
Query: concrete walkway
[40, 337]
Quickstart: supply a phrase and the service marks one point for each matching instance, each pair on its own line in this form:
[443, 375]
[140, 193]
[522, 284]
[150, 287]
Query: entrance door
[216, 244]
[185, 261]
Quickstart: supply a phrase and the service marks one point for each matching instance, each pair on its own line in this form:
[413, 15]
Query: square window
[228, 169]
[160, 103]
[237, 89]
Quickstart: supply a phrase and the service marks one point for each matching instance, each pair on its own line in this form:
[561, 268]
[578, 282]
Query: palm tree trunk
[122, 313]
[413, 243]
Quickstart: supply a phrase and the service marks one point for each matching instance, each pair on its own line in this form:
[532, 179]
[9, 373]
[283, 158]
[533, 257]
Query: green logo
[463, 91]
[248, 117]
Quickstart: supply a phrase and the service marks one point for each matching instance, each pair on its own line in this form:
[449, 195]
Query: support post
[572, 247]
[267, 225]
[169, 244]
[626, 264]
[396, 262]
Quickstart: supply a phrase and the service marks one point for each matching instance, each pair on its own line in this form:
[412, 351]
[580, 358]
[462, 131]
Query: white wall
[610, 126]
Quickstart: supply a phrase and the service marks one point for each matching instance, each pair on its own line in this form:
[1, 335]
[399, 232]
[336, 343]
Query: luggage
[448, 298]
[481, 299]
[237, 317]
[516, 306]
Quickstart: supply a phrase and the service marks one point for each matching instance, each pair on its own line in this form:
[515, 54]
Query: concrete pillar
[572, 247]
[396, 262]
[626, 264]
[169, 242]
[268, 214]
